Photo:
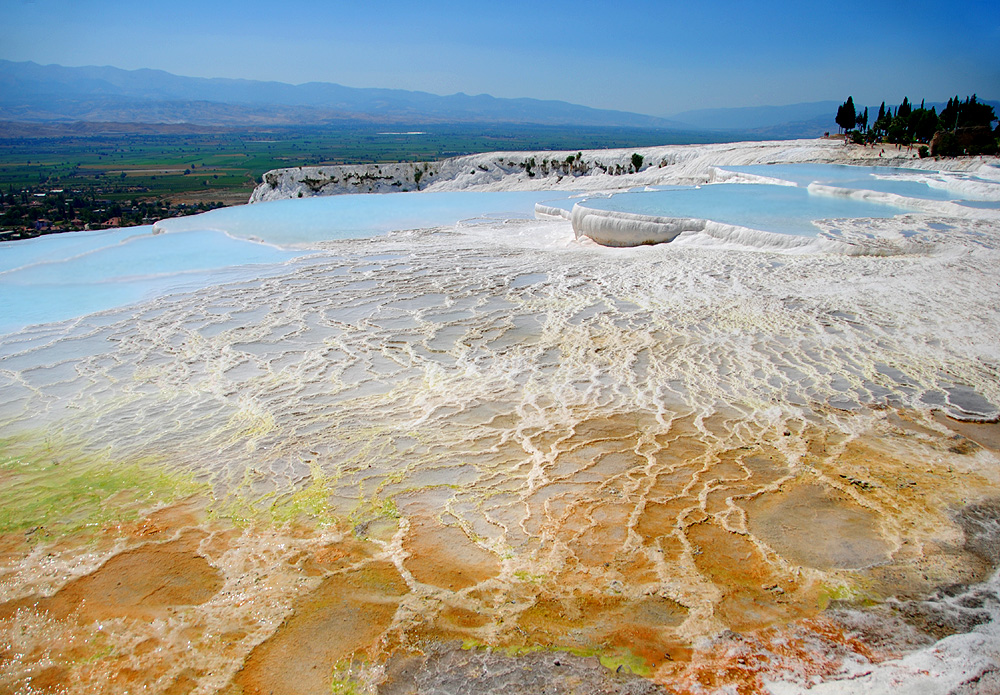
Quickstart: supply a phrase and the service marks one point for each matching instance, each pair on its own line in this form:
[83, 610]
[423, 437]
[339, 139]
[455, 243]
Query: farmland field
[65, 176]
[230, 162]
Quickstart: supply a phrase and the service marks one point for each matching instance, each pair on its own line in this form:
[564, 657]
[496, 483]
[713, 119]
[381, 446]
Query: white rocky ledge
[586, 170]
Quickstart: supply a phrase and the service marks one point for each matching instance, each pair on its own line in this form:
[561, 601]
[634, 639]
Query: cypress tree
[862, 120]
[927, 125]
[846, 116]
[904, 108]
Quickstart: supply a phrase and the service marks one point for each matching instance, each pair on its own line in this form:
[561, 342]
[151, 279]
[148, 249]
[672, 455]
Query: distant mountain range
[57, 95]
[53, 93]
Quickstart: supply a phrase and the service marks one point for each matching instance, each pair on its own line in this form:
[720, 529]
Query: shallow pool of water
[671, 458]
[58, 277]
[771, 208]
[912, 183]
[69, 275]
[328, 218]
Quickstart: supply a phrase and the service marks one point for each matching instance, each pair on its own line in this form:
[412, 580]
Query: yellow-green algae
[849, 593]
[342, 682]
[613, 659]
[309, 504]
[510, 650]
[374, 508]
[61, 488]
[626, 659]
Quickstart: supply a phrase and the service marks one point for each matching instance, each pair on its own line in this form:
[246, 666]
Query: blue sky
[650, 57]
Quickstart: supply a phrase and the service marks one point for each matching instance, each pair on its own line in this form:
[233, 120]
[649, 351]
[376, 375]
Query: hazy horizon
[646, 58]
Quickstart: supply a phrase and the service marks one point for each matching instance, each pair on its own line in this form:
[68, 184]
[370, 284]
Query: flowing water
[708, 467]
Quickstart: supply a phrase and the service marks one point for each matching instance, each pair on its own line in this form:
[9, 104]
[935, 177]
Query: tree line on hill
[962, 127]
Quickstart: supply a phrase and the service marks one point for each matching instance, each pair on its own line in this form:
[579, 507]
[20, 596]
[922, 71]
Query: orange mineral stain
[343, 617]
[706, 567]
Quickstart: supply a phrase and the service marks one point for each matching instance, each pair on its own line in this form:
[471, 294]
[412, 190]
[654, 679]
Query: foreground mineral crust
[493, 457]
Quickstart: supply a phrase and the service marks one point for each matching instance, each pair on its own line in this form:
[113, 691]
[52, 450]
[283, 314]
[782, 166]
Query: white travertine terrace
[594, 170]
[711, 435]
[609, 170]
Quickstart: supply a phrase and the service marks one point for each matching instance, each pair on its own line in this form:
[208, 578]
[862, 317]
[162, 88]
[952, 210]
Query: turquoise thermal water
[894, 180]
[65, 276]
[595, 419]
[780, 209]
[59, 277]
[328, 218]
